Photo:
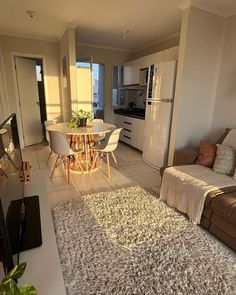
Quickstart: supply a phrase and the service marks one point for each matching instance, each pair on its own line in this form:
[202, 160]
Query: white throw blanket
[186, 187]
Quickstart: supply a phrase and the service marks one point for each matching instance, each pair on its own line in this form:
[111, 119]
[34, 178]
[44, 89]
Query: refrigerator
[158, 114]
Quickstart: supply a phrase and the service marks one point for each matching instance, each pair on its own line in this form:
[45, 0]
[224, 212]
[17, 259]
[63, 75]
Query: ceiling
[101, 22]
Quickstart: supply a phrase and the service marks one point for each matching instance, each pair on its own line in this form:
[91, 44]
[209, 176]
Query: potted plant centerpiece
[80, 118]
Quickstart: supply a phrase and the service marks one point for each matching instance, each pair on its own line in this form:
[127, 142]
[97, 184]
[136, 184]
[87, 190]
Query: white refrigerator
[159, 105]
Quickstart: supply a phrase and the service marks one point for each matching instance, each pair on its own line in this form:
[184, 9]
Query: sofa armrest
[185, 156]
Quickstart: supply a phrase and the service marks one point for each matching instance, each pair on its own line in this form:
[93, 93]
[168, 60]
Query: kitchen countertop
[135, 113]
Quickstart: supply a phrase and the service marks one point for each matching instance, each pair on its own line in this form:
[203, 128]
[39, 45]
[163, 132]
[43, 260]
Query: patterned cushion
[230, 139]
[225, 160]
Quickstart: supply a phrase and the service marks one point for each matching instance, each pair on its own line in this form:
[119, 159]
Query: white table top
[94, 128]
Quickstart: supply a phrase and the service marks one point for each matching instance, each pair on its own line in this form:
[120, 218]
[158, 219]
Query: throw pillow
[225, 160]
[234, 176]
[230, 139]
[206, 154]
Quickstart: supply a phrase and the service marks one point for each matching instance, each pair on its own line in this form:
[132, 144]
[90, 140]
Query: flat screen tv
[20, 227]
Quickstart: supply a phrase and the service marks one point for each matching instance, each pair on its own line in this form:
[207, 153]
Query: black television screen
[11, 192]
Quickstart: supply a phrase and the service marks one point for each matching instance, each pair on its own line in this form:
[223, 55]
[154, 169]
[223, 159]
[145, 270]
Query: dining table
[83, 139]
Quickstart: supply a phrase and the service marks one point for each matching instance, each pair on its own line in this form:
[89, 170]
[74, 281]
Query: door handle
[38, 103]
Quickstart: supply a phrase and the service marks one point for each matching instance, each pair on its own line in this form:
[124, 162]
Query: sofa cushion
[206, 154]
[223, 136]
[225, 205]
[225, 160]
[230, 139]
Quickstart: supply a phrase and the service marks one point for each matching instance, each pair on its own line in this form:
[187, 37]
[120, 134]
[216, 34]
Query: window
[97, 86]
[38, 73]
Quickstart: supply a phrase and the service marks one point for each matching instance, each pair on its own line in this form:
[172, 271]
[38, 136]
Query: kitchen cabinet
[133, 130]
[131, 73]
[132, 68]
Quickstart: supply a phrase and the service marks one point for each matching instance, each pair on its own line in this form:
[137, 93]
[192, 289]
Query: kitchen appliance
[159, 105]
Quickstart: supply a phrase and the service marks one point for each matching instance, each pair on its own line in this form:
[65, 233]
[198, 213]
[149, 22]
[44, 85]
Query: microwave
[143, 76]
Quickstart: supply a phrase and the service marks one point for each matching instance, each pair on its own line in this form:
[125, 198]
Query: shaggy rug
[128, 242]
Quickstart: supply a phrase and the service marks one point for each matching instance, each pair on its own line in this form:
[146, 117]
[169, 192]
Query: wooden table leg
[86, 152]
[108, 166]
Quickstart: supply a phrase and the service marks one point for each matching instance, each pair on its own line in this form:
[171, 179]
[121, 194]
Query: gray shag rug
[128, 242]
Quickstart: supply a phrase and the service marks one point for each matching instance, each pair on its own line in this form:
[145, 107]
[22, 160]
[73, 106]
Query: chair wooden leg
[94, 162]
[68, 169]
[108, 166]
[49, 156]
[114, 158]
[54, 167]
[3, 173]
[101, 159]
[79, 164]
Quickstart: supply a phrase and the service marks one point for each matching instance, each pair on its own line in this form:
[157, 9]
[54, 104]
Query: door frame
[4, 101]
[17, 98]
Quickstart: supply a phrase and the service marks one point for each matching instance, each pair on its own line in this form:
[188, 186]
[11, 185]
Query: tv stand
[29, 223]
[43, 264]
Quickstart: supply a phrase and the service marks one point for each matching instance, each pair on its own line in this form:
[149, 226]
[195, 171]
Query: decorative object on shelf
[9, 286]
[80, 118]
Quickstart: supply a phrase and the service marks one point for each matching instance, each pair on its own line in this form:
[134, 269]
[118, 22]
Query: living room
[107, 190]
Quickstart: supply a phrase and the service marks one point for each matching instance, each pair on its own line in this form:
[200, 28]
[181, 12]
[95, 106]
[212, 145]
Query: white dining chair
[101, 136]
[105, 151]
[65, 155]
[46, 124]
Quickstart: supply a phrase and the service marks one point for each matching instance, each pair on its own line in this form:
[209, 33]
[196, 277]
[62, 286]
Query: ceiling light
[31, 13]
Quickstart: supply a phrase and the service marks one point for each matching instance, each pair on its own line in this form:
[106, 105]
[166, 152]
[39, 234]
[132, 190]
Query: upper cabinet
[132, 68]
[131, 73]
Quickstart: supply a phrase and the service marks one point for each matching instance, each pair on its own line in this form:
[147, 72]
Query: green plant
[77, 116]
[8, 285]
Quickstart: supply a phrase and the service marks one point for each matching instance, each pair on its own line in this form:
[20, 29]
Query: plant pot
[83, 122]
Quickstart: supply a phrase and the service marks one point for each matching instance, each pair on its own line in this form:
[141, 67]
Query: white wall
[49, 51]
[4, 104]
[68, 83]
[199, 59]
[109, 58]
[225, 104]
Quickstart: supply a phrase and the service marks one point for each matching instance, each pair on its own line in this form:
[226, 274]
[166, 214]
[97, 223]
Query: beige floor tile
[30, 156]
[45, 173]
[34, 165]
[95, 187]
[63, 195]
[87, 179]
[131, 171]
[115, 172]
[117, 183]
[135, 169]
[61, 183]
[149, 179]
[49, 185]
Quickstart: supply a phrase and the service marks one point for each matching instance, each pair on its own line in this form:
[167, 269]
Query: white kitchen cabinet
[139, 133]
[132, 68]
[131, 73]
[133, 130]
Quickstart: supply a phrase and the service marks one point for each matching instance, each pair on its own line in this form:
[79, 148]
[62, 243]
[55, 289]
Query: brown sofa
[219, 214]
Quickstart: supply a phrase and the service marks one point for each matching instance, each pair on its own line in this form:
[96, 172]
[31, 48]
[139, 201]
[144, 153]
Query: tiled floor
[131, 171]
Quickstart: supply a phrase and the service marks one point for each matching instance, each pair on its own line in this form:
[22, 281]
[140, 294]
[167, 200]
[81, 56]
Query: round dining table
[84, 138]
